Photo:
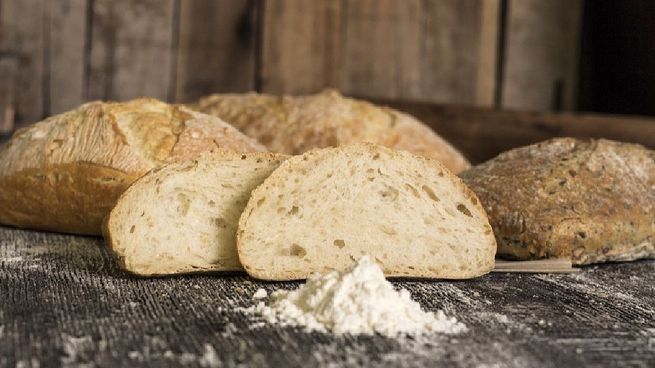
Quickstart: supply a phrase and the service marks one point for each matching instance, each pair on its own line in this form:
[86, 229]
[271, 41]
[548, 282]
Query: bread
[591, 201]
[65, 173]
[293, 125]
[182, 217]
[319, 211]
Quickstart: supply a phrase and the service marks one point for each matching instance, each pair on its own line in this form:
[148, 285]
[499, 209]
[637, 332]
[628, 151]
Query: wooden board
[423, 50]
[22, 33]
[67, 34]
[542, 45]
[300, 50]
[483, 133]
[131, 49]
[8, 71]
[436, 51]
[217, 41]
[65, 303]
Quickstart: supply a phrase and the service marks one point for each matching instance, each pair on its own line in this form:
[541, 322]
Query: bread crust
[65, 173]
[315, 156]
[294, 125]
[590, 200]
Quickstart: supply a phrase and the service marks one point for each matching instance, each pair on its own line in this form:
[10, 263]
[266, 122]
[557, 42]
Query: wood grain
[67, 39]
[542, 53]
[8, 71]
[65, 303]
[300, 50]
[131, 49]
[424, 50]
[23, 34]
[482, 133]
[419, 49]
[216, 48]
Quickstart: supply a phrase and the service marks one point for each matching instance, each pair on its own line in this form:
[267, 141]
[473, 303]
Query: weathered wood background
[56, 54]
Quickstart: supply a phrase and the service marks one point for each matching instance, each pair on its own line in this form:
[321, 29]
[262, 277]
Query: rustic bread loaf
[66, 172]
[592, 201]
[319, 211]
[294, 125]
[182, 217]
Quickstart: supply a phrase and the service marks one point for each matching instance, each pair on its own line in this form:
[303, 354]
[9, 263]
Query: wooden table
[63, 302]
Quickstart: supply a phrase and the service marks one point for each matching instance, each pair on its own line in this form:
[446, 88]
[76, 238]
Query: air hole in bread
[211, 203]
[430, 193]
[297, 251]
[339, 243]
[132, 229]
[388, 230]
[389, 194]
[185, 203]
[412, 190]
[463, 209]
[220, 222]
[261, 201]
[293, 210]
[582, 234]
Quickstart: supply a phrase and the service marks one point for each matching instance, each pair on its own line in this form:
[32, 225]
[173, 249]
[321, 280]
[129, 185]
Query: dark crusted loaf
[592, 200]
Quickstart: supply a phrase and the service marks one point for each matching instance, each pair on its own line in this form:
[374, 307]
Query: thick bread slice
[183, 217]
[320, 211]
[296, 124]
[588, 200]
[66, 172]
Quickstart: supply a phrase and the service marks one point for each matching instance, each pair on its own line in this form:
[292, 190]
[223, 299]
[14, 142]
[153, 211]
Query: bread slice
[182, 218]
[320, 211]
[296, 124]
[589, 201]
[66, 172]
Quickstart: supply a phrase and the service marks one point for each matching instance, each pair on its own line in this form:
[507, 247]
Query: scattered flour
[260, 294]
[357, 301]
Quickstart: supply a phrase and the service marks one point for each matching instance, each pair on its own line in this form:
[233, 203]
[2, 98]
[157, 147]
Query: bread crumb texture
[321, 210]
[183, 217]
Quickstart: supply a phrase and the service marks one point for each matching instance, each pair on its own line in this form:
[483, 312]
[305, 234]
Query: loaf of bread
[293, 125]
[320, 211]
[590, 200]
[182, 217]
[65, 173]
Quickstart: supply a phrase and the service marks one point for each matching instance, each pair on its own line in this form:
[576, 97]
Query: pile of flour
[357, 301]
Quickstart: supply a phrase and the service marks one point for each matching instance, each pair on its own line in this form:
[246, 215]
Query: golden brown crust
[593, 201]
[64, 173]
[294, 125]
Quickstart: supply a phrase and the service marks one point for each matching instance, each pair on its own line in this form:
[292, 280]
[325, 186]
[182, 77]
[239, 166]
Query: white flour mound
[357, 301]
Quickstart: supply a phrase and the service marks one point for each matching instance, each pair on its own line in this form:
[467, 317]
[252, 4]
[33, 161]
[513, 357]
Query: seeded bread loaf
[293, 125]
[182, 218]
[319, 211]
[66, 172]
[591, 200]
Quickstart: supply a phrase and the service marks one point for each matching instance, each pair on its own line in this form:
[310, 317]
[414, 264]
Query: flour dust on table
[356, 301]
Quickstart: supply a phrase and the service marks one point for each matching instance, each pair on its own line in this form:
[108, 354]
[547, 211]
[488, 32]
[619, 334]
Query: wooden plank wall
[56, 54]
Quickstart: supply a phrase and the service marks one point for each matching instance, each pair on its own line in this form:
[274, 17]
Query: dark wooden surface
[63, 302]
